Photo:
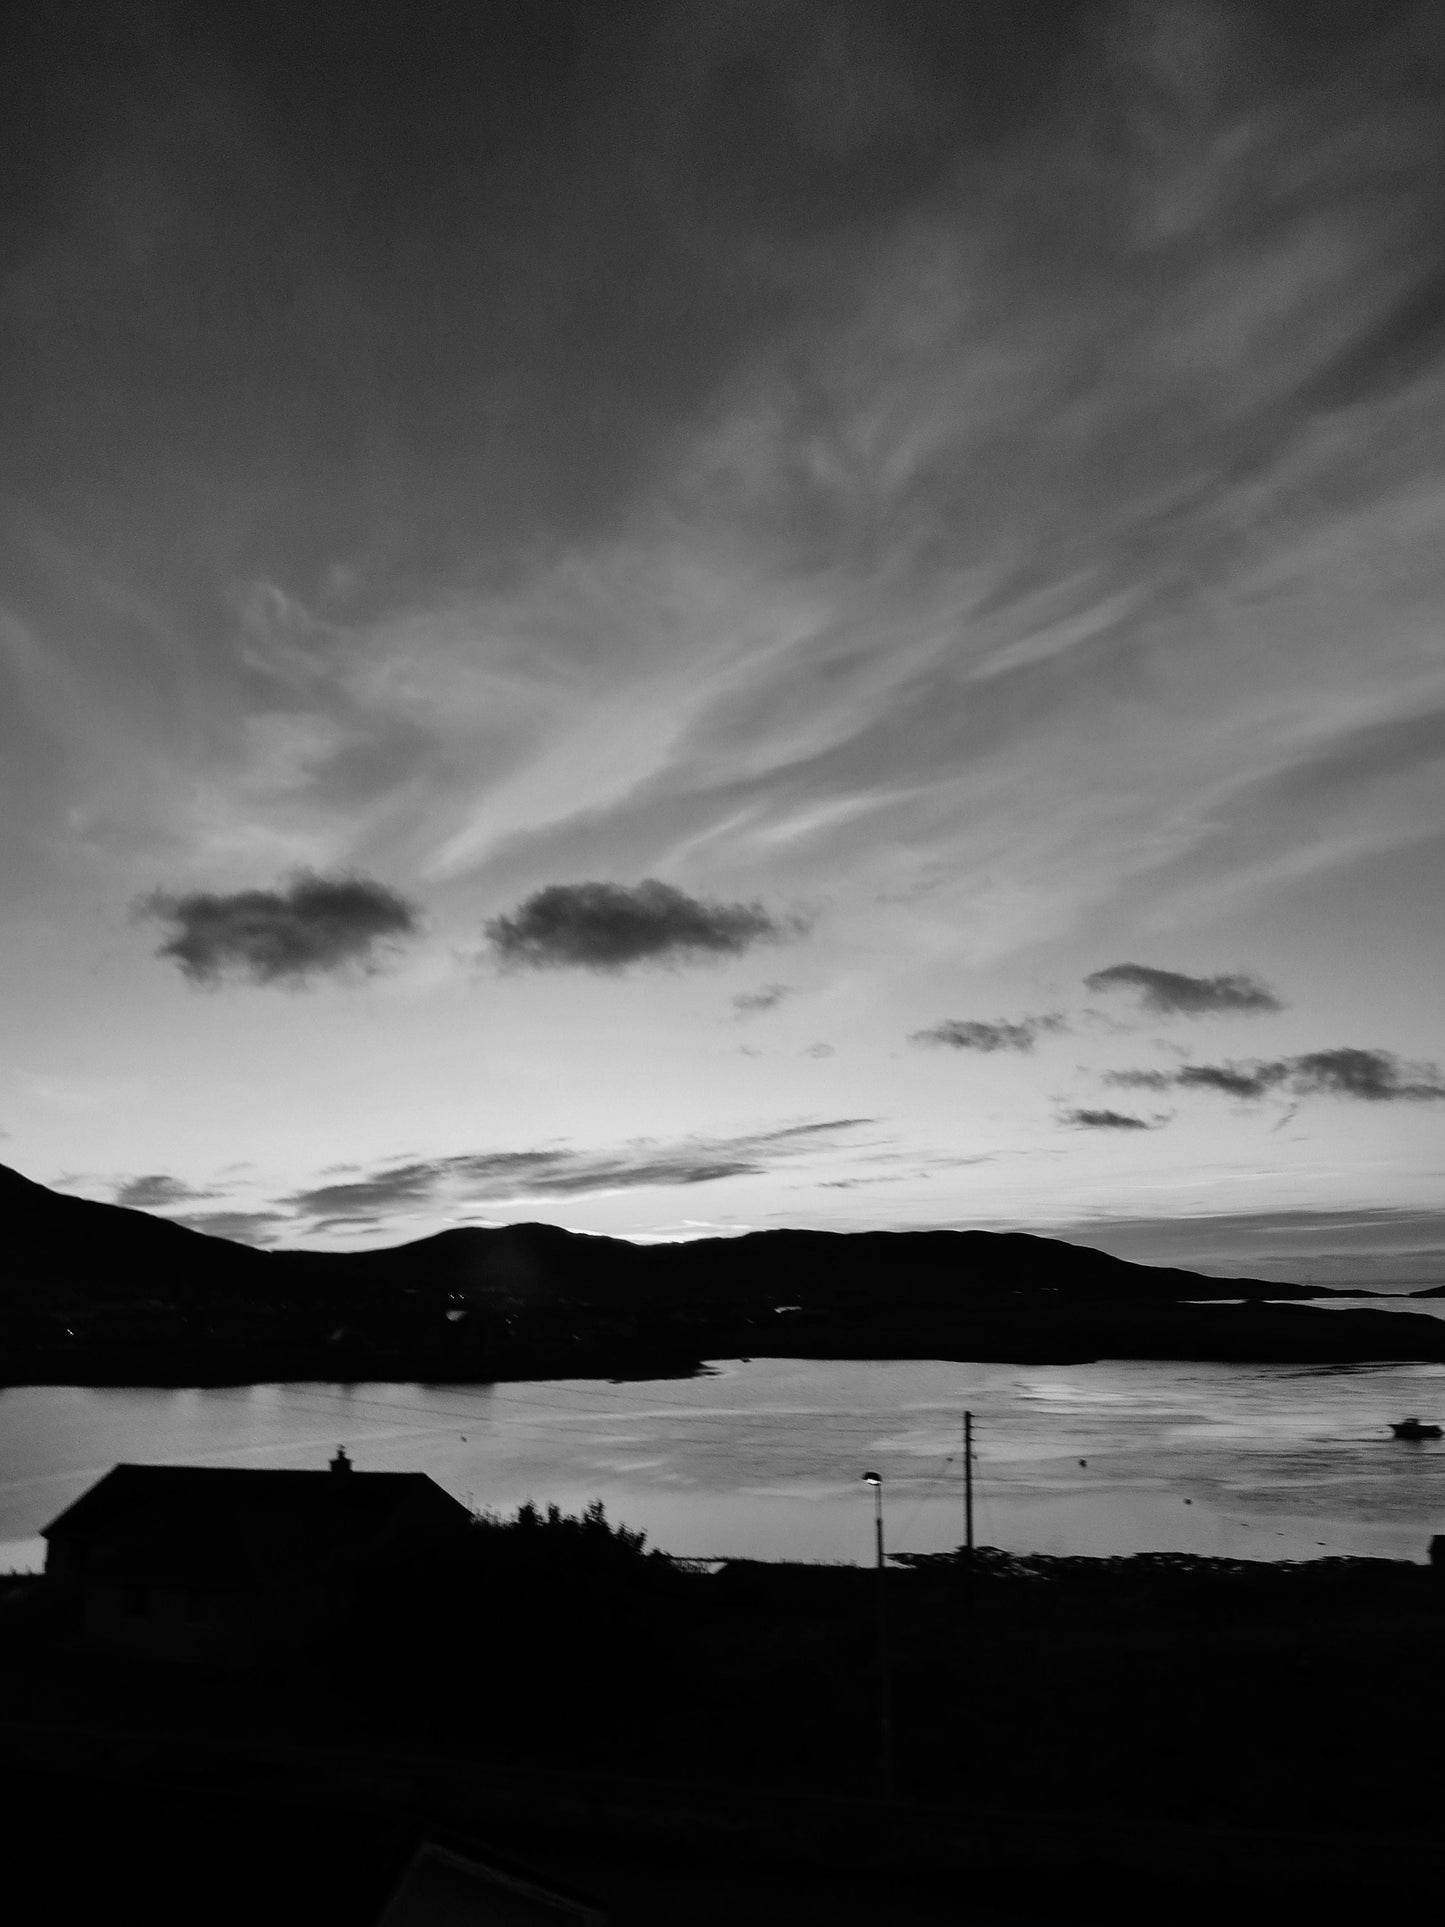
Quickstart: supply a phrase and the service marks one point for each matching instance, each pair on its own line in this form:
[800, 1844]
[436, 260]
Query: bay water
[765, 1458]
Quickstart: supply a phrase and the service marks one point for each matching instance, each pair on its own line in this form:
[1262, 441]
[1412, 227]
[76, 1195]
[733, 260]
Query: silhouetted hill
[521, 1264]
[96, 1292]
[102, 1250]
[44, 1233]
[533, 1263]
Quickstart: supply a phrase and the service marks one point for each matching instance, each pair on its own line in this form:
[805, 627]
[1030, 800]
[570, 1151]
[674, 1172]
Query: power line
[728, 1423]
[928, 1493]
[521, 1392]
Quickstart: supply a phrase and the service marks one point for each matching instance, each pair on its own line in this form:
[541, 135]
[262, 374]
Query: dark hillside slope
[54, 1241]
[93, 1293]
[533, 1264]
[49, 1241]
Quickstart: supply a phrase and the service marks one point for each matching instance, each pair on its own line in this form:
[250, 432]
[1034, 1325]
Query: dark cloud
[156, 1191]
[752, 1003]
[1377, 1076]
[1235, 1080]
[1170, 993]
[496, 1176]
[1372, 1076]
[610, 926]
[960, 1033]
[315, 926]
[387, 1190]
[1088, 1120]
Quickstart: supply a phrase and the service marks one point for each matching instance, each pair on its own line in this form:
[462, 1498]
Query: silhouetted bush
[588, 1535]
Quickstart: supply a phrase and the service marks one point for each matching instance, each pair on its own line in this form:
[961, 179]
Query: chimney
[341, 1463]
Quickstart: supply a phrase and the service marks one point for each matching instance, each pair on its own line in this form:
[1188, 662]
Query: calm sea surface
[765, 1458]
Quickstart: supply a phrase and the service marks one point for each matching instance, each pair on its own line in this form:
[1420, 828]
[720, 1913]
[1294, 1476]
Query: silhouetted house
[218, 1564]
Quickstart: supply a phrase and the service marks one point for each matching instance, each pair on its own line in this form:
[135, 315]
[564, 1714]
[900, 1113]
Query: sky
[690, 616]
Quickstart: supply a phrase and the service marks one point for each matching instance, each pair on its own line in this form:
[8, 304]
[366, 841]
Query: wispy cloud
[1000, 502]
[314, 926]
[1140, 1080]
[156, 1191]
[1234, 1080]
[1105, 1120]
[807, 609]
[503, 1176]
[972, 1033]
[392, 1188]
[608, 927]
[1332, 1245]
[1170, 993]
[1372, 1076]
[752, 1003]
[1378, 1076]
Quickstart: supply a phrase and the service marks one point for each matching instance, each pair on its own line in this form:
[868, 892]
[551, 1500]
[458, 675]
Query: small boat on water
[1414, 1428]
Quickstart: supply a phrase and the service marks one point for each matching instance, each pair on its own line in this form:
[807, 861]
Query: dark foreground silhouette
[1154, 1735]
[99, 1295]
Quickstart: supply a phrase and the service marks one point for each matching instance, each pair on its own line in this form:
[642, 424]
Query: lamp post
[885, 1701]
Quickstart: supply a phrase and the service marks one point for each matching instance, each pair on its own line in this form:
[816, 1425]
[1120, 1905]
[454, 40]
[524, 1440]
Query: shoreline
[1250, 1332]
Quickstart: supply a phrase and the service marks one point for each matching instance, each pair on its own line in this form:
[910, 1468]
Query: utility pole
[968, 1509]
[968, 1486]
[885, 1697]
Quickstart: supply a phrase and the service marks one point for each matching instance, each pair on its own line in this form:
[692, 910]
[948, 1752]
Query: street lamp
[885, 1705]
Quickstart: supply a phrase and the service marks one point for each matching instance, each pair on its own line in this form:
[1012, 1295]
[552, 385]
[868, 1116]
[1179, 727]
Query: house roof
[223, 1519]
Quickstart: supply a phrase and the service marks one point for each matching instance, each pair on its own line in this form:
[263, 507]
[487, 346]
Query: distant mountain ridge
[93, 1292]
[44, 1230]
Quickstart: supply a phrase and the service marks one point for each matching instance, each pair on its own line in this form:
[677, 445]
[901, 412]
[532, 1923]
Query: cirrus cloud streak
[549, 1172]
